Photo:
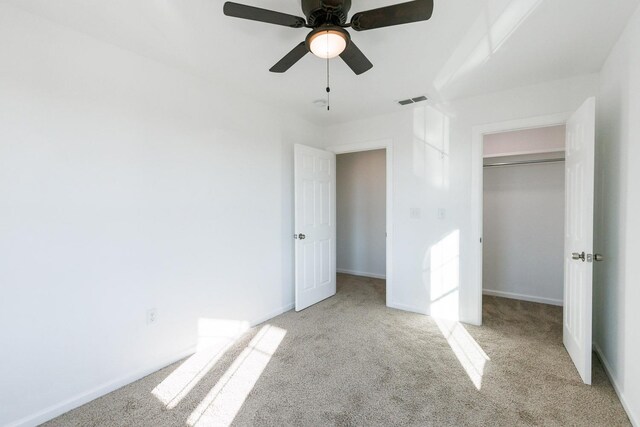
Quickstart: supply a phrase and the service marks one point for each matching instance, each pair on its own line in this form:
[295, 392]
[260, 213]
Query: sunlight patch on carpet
[215, 337]
[221, 405]
[469, 353]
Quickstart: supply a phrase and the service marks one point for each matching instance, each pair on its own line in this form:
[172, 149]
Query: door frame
[477, 190]
[387, 145]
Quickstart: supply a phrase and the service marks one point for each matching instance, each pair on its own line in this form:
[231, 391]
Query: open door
[315, 225]
[578, 242]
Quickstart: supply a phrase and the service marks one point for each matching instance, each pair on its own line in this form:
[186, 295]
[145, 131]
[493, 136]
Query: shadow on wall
[431, 147]
[441, 261]
[442, 272]
[495, 25]
[431, 167]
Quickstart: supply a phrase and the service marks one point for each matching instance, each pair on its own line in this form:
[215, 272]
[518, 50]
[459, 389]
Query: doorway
[474, 294]
[578, 255]
[315, 220]
[384, 147]
[524, 215]
[361, 215]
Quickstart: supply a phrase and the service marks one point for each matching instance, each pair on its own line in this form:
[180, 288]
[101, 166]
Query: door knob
[598, 257]
[578, 256]
[301, 236]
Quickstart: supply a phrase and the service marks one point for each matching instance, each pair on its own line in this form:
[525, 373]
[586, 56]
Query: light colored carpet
[351, 361]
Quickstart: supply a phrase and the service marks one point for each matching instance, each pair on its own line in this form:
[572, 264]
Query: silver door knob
[598, 257]
[578, 256]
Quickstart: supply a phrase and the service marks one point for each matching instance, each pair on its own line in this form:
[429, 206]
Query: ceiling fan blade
[262, 15]
[403, 13]
[355, 59]
[290, 58]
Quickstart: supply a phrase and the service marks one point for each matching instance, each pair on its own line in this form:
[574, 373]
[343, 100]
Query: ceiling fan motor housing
[320, 12]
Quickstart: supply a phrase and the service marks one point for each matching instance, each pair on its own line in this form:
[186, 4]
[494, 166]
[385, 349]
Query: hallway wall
[361, 213]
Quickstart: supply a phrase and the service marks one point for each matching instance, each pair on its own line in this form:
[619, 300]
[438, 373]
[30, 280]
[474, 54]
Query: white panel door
[315, 225]
[578, 270]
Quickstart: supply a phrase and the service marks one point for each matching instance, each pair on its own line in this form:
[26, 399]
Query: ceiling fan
[328, 21]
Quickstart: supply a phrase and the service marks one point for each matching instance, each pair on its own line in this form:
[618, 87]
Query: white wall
[617, 279]
[523, 232]
[361, 213]
[433, 242]
[127, 185]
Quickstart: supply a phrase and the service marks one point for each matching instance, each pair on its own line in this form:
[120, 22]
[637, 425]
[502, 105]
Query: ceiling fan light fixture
[327, 43]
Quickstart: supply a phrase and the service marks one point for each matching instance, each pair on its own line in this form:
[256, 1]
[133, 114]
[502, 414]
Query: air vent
[412, 100]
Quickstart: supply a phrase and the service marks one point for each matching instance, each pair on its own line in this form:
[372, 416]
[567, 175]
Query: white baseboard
[522, 297]
[361, 273]
[405, 307]
[607, 369]
[273, 314]
[86, 397]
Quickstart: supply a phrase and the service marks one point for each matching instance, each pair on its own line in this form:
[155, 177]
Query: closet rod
[524, 162]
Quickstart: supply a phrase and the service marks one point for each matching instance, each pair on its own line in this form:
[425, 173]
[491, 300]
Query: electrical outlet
[442, 213]
[414, 213]
[152, 316]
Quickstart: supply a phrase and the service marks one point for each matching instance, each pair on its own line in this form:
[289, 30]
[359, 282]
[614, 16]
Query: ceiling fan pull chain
[328, 88]
[328, 99]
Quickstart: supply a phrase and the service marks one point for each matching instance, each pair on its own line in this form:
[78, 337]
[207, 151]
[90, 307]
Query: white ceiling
[469, 47]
